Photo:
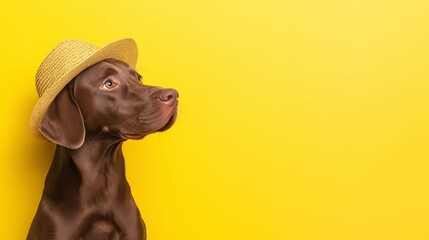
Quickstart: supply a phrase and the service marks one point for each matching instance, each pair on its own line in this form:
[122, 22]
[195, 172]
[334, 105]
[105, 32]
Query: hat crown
[60, 61]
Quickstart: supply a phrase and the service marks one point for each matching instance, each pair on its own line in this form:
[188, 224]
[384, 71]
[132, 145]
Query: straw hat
[66, 61]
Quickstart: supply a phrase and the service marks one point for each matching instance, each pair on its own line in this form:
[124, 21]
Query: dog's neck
[94, 159]
[95, 155]
[84, 169]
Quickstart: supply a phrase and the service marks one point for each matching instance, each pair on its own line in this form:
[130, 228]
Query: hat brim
[124, 50]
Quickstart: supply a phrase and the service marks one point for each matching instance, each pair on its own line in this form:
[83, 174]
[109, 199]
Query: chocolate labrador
[86, 194]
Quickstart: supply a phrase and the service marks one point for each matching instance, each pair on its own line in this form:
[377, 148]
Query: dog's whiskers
[136, 121]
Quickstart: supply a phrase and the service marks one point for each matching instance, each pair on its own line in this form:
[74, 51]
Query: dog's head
[108, 100]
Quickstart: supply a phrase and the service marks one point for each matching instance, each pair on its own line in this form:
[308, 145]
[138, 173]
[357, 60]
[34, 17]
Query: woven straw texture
[66, 61]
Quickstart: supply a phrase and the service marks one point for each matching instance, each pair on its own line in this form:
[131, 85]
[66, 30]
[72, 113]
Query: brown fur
[86, 194]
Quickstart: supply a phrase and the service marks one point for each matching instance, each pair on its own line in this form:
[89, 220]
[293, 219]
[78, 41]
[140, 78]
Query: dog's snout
[168, 95]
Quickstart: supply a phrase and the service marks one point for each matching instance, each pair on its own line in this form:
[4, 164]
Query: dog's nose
[168, 95]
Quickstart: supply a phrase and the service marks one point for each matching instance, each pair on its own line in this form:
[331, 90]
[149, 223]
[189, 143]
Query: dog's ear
[63, 122]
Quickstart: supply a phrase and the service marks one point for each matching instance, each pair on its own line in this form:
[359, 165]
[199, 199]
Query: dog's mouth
[133, 136]
[166, 126]
[169, 123]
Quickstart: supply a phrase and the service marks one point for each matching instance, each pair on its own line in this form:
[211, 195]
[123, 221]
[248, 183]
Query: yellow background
[298, 119]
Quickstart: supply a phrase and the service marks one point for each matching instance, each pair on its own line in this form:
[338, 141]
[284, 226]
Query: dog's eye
[139, 77]
[109, 84]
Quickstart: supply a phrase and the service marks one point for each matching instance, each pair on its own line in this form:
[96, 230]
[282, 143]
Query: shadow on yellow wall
[298, 119]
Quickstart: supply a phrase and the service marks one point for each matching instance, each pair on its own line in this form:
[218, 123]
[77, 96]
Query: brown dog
[86, 194]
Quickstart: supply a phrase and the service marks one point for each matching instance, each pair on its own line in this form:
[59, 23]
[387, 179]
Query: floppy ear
[63, 122]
